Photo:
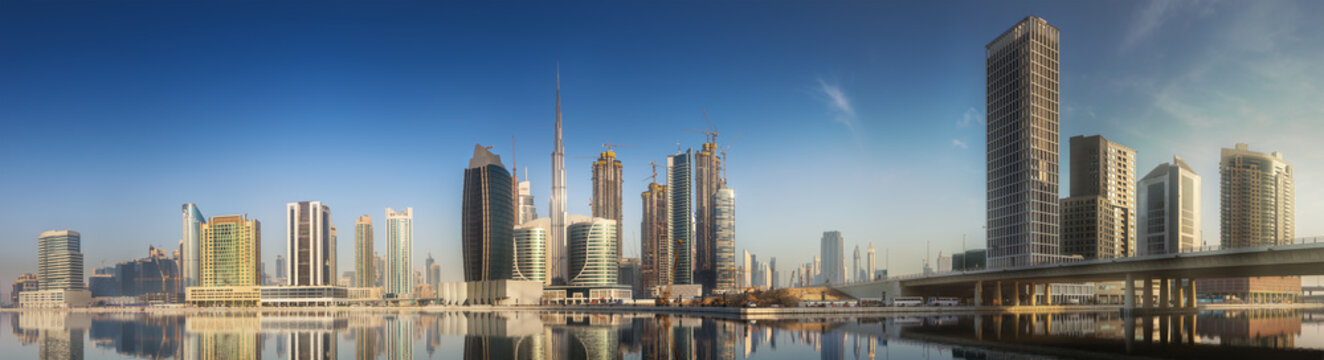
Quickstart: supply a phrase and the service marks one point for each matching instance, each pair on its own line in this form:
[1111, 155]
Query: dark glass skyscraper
[488, 218]
[679, 202]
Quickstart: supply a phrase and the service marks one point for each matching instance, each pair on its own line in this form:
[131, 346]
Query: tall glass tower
[1022, 148]
[680, 231]
[60, 260]
[193, 220]
[593, 252]
[309, 244]
[400, 251]
[488, 220]
[724, 238]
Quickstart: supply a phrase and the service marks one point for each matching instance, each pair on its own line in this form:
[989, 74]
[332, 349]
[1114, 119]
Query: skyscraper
[855, 275]
[280, 270]
[870, 263]
[773, 279]
[557, 244]
[429, 277]
[1022, 148]
[1169, 209]
[833, 260]
[607, 182]
[364, 271]
[1099, 218]
[707, 181]
[231, 251]
[309, 245]
[488, 221]
[60, 260]
[723, 213]
[747, 268]
[656, 257]
[400, 251]
[528, 209]
[1258, 199]
[593, 252]
[531, 250]
[680, 227]
[192, 219]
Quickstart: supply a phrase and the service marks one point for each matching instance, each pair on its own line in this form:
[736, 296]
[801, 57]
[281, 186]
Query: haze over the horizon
[854, 116]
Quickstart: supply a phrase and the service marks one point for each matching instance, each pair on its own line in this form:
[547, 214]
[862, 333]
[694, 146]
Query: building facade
[364, 271]
[1257, 208]
[680, 223]
[231, 251]
[707, 181]
[308, 245]
[1022, 145]
[723, 213]
[593, 252]
[528, 209]
[656, 256]
[871, 262]
[60, 260]
[400, 251]
[1169, 209]
[488, 221]
[607, 183]
[190, 262]
[25, 282]
[833, 255]
[531, 251]
[1099, 217]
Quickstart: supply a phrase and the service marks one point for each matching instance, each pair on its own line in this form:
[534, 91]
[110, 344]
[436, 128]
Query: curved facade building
[488, 218]
[192, 238]
[531, 250]
[593, 252]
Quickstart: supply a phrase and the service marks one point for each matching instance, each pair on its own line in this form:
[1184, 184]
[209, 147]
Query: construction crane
[710, 133]
[611, 146]
[728, 147]
[654, 176]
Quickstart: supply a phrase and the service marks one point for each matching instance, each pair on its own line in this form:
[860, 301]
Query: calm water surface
[1260, 334]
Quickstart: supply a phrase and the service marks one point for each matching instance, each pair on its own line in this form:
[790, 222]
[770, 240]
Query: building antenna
[514, 161]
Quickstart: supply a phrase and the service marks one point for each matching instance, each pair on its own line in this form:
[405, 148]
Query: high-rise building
[192, 219]
[855, 275]
[434, 271]
[557, 263]
[531, 250]
[1169, 198]
[60, 260]
[488, 221]
[593, 252]
[747, 267]
[528, 209]
[1258, 199]
[231, 251]
[429, 277]
[380, 262]
[833, 258]
[400, 251]
[772, 273]
[870, 263]
[680, 227]
[656, 258]
[1257, 208]
[1022, 148]
[707, 181]
[332, 262]
[280, 270]
[607, 183]
[308, 244]
[363, 262]
[723, 223]
[1099, 218]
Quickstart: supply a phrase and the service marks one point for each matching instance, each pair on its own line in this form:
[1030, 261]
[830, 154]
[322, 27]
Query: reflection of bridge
[1289, 260]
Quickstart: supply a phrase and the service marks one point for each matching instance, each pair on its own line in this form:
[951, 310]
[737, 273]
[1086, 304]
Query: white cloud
[960, 144]
[971, 117]
[1146, 20]
[839, 103]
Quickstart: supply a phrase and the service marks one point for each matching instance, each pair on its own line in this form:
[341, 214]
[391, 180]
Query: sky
[858, 116]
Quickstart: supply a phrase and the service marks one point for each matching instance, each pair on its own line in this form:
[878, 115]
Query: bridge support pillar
[1016, 293]
[1190, 295]
[1048, 294]
[1129, 297]
[979, 293]
[1030, 291]
[1163, 293]
[1148, 299]
[997, 293]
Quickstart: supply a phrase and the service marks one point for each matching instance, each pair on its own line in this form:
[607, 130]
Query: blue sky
[863, 117]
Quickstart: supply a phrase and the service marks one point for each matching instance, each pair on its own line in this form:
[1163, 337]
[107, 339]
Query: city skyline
[838, 100]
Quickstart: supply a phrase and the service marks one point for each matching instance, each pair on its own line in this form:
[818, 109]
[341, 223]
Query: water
[1258, 334]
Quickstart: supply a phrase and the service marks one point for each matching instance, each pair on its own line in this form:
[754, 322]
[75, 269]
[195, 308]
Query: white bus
[908, 301]
[944, 301]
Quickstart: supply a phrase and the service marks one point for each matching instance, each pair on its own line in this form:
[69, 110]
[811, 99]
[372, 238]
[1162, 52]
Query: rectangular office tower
[60, 260]
[309, 245]
[487, 219]
[724, 239]
[1169, 198]
[1099, 218]
[656, 255]
[364, 271]
[680, 227]
[400, 251]
[231, 251]
[833, 254]
[193, 220]
[607, 191]
[1022, 148]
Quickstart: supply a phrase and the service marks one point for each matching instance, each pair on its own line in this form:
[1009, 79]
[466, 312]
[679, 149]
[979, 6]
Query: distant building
[429, 277]
[400, 251]
[280, 270]
[1022, 83]
[1170, 209]
[309, 244]
[364, 269]
[680, 227]
[871, 263]
[190, 263]
[155, 277]
[593, 253]
[629, 275]
[970, 260]
[833, 258]
[723, 220]
[1098, 220]
[707, 177]
[656, 255]
[25, 282]
[488, 221]
[855, 274]
[606, 202]
[59, 272]
[1257, 209]
[528, 209]
[531, 251]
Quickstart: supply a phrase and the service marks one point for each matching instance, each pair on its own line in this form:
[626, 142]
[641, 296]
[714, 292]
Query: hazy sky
[863, 117]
